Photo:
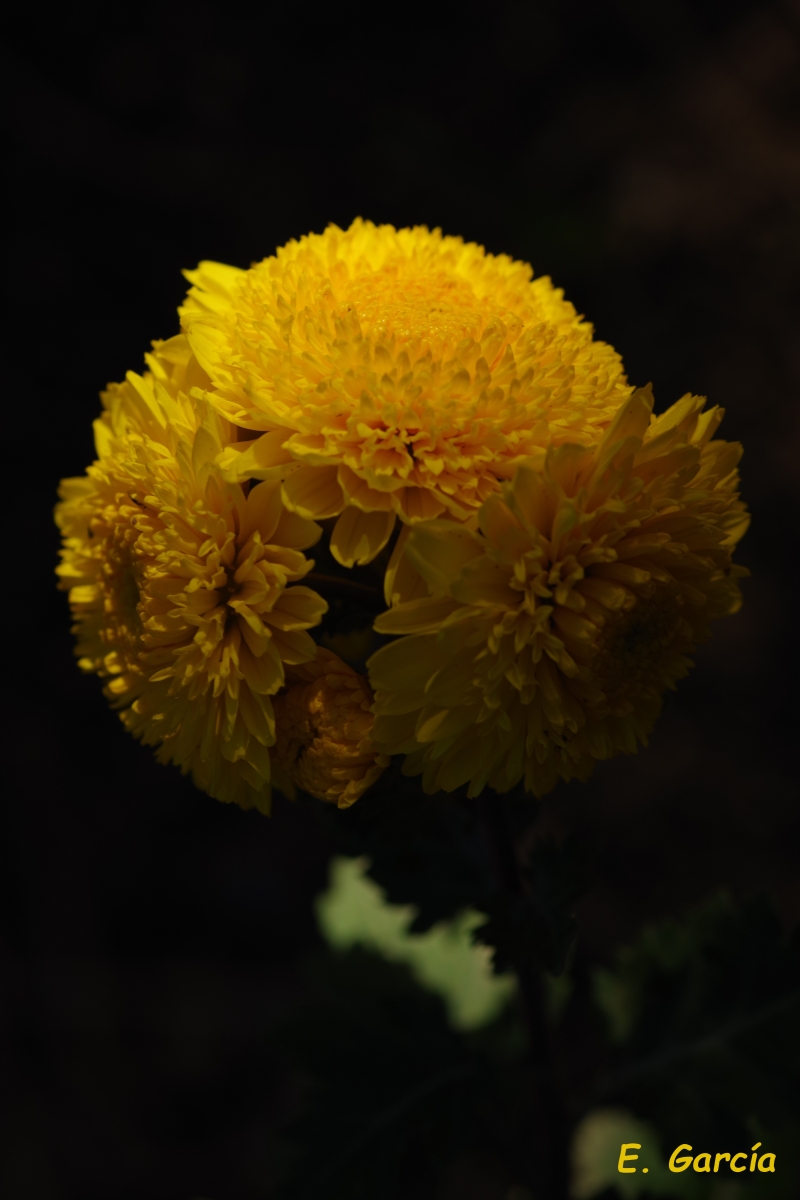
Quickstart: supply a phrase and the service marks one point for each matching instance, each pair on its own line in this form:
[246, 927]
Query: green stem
[552, 1131]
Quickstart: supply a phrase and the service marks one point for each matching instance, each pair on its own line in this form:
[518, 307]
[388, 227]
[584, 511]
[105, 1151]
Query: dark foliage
[538, 927]
[703, 1041]
[391, 1084]
[706, 1016]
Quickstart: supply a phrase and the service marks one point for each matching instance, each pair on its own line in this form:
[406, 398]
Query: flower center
[123, 625]
[635, 649]
[433, 307]
[129, 597]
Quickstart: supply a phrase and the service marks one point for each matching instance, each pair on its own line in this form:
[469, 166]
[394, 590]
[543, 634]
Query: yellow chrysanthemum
[179, 581]
[545, 641]
[323, 724]
[394, 373]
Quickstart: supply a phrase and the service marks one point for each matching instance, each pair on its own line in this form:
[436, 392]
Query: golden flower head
[179, 581]
[393, 373]
[323, 725]
[545, 640]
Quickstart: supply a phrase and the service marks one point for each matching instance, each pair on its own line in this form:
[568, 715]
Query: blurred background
[644, 155]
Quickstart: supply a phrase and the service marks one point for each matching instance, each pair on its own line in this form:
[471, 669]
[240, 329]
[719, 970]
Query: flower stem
[551, 1136]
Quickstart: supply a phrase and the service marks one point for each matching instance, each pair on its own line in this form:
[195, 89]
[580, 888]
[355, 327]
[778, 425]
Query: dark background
[646, 155]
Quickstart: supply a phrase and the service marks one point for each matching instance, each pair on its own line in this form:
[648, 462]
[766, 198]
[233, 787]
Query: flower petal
[358, 536]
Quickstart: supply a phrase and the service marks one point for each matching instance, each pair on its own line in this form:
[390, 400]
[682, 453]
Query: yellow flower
[545, 641]
[324, 721]
[393, 373]
[178, 581]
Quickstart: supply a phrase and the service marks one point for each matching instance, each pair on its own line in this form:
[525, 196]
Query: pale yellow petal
[262, 511]
[402, 580]
[262, 458]
[416, 616]
[358, 492]
[313, 492]
[358, 536]
[401, 671]
[440, 550]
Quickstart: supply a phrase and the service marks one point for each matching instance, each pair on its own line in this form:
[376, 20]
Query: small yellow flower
[545, 641]
[179, 581]
[393, 373]
[324, 720]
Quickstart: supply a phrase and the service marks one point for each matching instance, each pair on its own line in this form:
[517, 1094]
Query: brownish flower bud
[323, 723]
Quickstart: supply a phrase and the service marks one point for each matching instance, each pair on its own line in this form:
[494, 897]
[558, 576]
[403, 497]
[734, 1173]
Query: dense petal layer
[409, 371]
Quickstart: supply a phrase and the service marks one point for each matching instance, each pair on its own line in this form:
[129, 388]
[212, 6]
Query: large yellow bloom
[394, 373]
[179, 581]
[545, 641]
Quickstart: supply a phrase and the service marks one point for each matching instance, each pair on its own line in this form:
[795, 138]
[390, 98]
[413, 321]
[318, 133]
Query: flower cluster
[553, 552]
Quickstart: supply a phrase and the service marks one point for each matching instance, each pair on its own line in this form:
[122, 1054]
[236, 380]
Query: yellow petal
[102, 438]
[440, 550]
[358, 537]
[258, 717]
[613, 595]
[402, 580]
[485, 582]
[394, 733]
[681, 414]
[263, 675]
[297, 608]
[707, 425]
[294, 646]
[296, 532]
[257, 755]
[263, 458]
[500, 527]
[359, 493]
[574, 626]
[416, 616]
[566, 464]
[633, 418]
[623, 572]
[214, 282]
[451, 686]
[418, 504]
[435, 724]
[204, 450]
[313, 492]
[262, 511]
[534, 498]
[402, 669]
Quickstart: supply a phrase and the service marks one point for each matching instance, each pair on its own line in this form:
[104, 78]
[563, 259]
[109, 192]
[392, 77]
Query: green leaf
[354, 912]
